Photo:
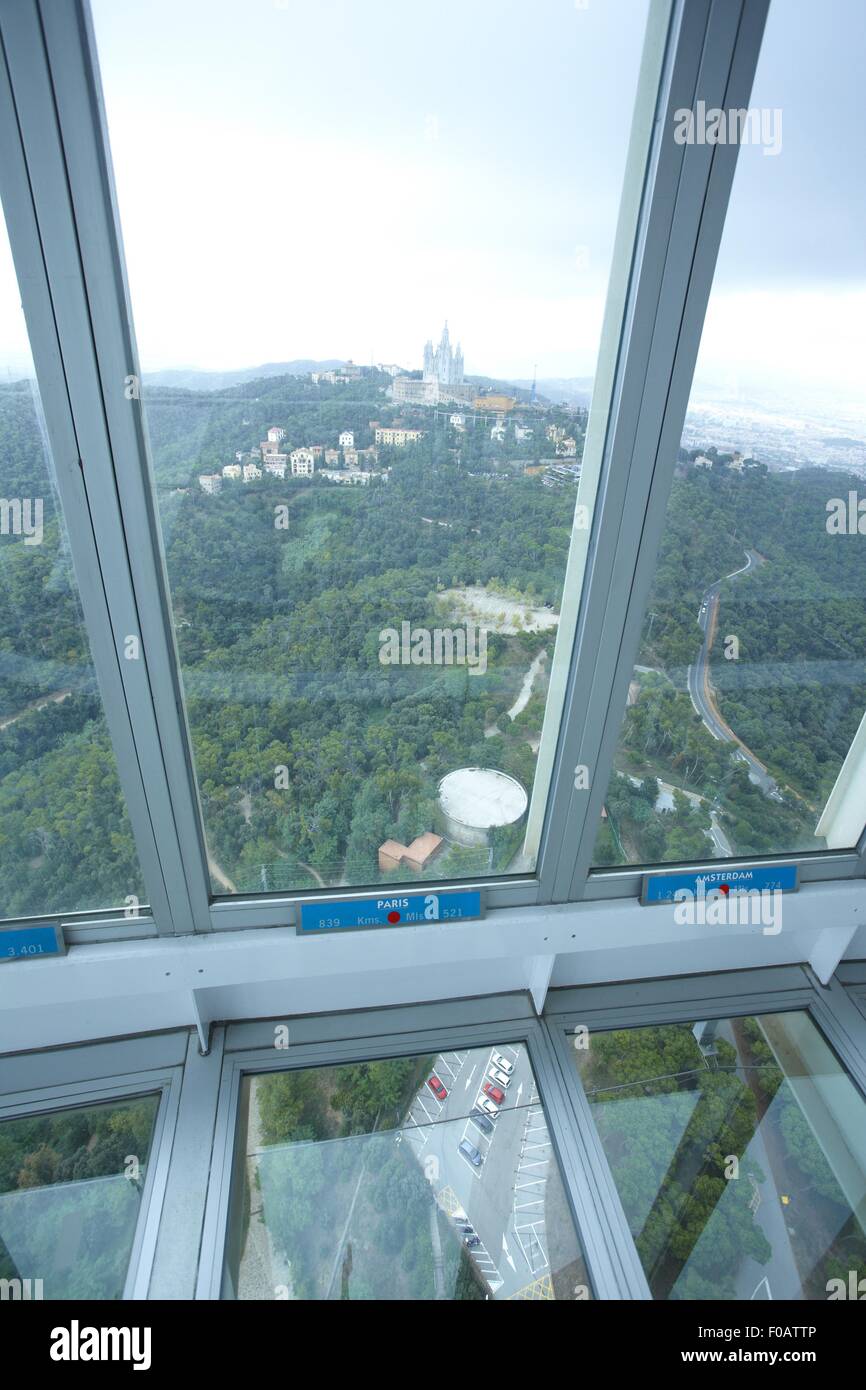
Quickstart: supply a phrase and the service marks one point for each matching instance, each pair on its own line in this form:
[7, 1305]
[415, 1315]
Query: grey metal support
[177, 1248]
[713, 50]
[55, 97]
[66, 446]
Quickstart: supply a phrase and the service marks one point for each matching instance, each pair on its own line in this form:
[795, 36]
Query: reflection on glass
[738, 1148]
[412, 1178]
[70, 1194]
[750, 680]
[367, 536]
[65, 839]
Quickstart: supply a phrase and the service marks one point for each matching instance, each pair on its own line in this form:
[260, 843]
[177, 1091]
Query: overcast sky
[333, 179]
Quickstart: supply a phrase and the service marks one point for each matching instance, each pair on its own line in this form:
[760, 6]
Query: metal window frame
[184, 1218]
[87, 560]
[73, 1078]
[641, 1004]
[338, 1039]
[66, 237]
[852, 976]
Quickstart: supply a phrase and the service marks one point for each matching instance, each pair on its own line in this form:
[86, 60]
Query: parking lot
[501, 1198]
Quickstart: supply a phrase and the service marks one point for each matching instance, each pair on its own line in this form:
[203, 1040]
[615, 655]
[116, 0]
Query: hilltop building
[441, 364]
[303, 463]
[397, 436]
[441, 377]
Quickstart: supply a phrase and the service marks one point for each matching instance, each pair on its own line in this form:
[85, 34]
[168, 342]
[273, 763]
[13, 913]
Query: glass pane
[65, 840]
[70, 1195]
[411, 1178]
[368, 301]
[738, 1148]
[750, 682]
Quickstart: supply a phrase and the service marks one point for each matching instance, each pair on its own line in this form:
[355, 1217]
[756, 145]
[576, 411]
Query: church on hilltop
[441, 378]
[442, 364]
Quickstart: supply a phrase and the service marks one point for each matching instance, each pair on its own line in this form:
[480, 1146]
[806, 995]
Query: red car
[436, 1087]
[493, 1092]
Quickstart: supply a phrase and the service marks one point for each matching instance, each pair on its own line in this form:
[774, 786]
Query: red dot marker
[723, 888]
[393, 916]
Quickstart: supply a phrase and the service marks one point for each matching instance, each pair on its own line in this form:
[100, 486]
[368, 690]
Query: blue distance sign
[661, 888]
[31, 943]
[390, 910]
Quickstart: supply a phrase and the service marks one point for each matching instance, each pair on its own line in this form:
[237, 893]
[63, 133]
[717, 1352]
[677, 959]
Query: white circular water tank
[472, 800]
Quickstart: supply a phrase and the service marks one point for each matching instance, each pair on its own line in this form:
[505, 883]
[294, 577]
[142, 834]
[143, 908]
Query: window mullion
[50, 69]
[712, 57]
[24, 237]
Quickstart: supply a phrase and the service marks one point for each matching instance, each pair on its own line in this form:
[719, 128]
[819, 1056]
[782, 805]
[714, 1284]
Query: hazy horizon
[289, 184]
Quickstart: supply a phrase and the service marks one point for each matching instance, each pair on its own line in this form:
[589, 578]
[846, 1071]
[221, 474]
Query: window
[738, 1148]
[366, 536]
[70, 1195]
[66, 844]
[749, 685]
[410, 1178]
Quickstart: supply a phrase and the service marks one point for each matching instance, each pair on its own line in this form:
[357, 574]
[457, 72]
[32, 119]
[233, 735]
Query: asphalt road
[697, 679]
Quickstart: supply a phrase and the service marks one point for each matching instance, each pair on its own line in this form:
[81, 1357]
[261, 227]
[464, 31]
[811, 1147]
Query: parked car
[471, 1241]
[437, 1088]
[493, 1092]
[502, 1063]
[487, 1105]
[499, 1077]
[481, 1120]
[469, 1151]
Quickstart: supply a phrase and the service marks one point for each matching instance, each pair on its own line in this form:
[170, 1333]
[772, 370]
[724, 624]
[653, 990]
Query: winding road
[701, 690]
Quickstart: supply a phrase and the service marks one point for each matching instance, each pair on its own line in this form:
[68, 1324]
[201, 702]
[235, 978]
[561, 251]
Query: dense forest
[70, 1190]
[672, 1118]
[796, 692]
[309, 751]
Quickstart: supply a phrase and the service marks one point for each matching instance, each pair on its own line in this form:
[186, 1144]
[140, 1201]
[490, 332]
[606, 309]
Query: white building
[251, 471]
[276, 435]
[332, 458]
[232, 470]
[347, 439]
[350, 458]
[522, 433]
[347, 475]
[566, 448]
[210, 482]
[277, 466]
[303, 463]
[458, 421]
[497, 433]
[396, 435]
